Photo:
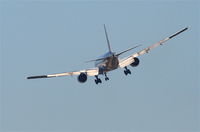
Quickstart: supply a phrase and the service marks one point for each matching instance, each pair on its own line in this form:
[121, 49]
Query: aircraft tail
[128, 50]
[109, 47]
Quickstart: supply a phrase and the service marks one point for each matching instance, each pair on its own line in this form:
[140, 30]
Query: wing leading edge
[130, 59]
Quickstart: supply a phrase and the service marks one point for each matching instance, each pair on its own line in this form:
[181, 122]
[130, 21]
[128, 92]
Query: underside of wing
[133, 58]
[88, 72]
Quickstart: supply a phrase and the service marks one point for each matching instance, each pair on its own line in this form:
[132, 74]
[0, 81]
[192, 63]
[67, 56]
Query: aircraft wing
[130, 59]
[89, 72]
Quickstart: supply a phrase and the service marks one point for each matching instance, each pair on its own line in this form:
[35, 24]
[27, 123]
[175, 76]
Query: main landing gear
[127, 71]
[97, 80]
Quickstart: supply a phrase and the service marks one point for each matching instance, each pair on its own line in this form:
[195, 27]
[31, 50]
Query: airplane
[109, 62]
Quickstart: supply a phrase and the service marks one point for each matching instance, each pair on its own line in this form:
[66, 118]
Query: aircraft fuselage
[110, 63]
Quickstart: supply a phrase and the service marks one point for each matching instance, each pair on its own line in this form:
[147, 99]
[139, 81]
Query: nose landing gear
[106, 78]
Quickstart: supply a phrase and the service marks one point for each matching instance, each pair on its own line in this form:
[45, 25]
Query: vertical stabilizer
[107, 38]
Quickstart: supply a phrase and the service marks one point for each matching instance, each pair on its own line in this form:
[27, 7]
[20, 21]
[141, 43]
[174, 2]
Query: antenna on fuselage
[107, 39]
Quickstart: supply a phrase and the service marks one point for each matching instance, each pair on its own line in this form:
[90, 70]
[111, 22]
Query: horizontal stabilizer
[96, 60]
[127, 50]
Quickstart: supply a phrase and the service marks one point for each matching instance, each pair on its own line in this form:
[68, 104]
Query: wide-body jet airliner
[110, 61]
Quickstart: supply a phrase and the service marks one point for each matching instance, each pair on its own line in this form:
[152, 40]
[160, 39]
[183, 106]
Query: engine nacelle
[136, 62]
[82, 78]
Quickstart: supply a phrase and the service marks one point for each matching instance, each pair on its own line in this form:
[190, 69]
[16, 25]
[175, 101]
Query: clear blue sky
[44, 37]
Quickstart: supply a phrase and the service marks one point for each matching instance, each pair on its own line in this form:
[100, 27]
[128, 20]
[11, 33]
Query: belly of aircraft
[112, 63]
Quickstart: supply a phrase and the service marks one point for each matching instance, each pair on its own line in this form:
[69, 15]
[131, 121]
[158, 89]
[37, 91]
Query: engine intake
[82, 78]
[136, 62]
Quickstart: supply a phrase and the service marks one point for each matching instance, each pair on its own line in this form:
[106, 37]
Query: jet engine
[136, 62]
[82, 78]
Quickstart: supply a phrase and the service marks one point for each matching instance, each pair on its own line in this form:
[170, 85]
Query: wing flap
[126, 61]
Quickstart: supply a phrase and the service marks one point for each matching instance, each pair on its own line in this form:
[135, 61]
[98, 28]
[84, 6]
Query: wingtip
[36, 77]
[178, 32]
[188, 27]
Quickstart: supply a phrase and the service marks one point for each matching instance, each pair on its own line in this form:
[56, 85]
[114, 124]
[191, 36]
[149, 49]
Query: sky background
[44, 37]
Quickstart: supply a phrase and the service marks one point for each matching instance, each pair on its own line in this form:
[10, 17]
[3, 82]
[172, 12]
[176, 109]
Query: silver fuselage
[110, 63]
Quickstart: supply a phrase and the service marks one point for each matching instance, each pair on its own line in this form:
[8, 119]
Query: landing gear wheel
[128, 71]
[97, 80]
[106, 79]
[125, 72]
